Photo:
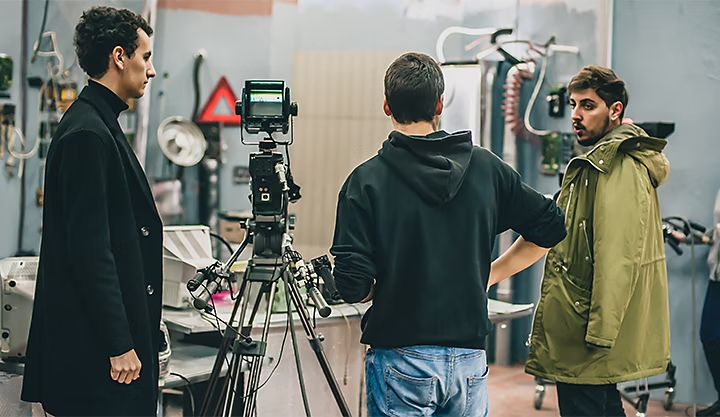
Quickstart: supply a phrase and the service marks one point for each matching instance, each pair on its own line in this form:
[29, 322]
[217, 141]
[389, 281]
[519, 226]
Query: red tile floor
[512, 394]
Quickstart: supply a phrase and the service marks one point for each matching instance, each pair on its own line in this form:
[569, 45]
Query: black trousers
[710, 331]
[589, 400]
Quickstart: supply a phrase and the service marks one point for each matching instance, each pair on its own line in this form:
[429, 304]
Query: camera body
[265, 107]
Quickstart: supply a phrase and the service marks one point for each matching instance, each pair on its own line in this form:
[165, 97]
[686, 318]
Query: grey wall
[667, 53]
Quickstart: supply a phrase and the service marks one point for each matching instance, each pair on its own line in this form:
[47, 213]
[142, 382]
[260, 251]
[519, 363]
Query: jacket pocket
[566, 308]
[577, 297]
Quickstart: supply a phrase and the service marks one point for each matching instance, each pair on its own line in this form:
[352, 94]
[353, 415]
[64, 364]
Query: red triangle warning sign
[222, 91]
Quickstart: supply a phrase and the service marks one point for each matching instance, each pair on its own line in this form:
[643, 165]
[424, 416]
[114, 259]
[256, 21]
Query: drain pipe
[504, 289]
[23, 118]
[143, 104]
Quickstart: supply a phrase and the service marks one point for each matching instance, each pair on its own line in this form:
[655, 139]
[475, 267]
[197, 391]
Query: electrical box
[6, 75]
[557, 101]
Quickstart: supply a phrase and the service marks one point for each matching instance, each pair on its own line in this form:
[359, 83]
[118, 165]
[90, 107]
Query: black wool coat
[99, 284]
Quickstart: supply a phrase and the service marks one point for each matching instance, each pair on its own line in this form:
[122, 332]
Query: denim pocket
[407, 395]
[477, 396]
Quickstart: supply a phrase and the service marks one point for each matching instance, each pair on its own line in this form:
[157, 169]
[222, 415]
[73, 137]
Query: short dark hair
[604, 81]
[413, 85]
[100, 30]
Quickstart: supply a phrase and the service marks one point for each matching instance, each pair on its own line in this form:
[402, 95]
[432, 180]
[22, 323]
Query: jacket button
[601, 162]
[587, 258]
[577, 303]
[150, 290]
[145, 231]
[557, 269]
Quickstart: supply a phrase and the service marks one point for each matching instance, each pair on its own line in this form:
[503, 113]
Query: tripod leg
[316, 345]
[226, 344]
[256, 366]
[295, 348]
[234, 376]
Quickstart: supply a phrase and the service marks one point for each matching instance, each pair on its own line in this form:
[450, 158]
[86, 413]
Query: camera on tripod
[265, 107]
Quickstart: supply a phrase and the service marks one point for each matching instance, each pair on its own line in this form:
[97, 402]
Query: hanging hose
[196, 83]
[531, 102]
[196, 102]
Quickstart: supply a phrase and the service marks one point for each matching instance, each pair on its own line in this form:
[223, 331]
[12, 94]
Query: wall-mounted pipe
[23, 115]
[143, 119]
[458, 30]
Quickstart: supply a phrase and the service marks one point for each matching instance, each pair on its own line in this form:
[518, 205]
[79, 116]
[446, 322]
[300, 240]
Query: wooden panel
[236, 7]
[340, 124]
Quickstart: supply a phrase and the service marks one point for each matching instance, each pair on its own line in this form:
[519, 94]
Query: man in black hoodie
[415, 231]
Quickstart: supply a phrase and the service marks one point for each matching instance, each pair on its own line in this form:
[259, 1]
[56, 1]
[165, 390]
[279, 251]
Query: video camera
[265, 106]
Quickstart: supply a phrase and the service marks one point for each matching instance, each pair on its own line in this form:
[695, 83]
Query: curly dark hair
[413, 85]
[100, 30]
[604, 81]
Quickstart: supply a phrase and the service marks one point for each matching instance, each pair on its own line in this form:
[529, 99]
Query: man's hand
[717, 228]
[370, 295]
[125, 368]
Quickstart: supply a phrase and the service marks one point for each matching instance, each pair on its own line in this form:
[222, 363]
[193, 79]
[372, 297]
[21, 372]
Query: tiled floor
[512, 394]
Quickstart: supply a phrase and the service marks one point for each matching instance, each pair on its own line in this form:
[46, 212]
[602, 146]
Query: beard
[593, 136]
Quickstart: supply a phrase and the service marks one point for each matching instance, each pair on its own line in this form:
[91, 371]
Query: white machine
[186, 249]
[468, 99]
[17, 281]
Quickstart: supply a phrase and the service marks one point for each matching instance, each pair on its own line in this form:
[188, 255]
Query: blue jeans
[426, 381]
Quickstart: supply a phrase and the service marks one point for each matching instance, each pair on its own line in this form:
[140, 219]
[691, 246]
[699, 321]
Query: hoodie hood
[632, 140]
[433, 166]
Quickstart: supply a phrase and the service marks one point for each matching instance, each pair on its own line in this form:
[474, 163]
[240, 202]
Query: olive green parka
[603, 312]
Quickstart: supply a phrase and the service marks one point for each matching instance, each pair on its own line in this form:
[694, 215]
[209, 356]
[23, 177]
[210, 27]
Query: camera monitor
[265, 106]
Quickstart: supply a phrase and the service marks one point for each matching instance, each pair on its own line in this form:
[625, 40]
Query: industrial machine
[17, 282]
[186, 249]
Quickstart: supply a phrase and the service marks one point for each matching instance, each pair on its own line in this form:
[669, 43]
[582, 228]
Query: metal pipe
[143, 111]
[610, 28]
[23, 116]
[462, 30]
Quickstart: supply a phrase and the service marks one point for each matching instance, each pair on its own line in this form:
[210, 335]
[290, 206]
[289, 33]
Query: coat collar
[109, 106]
[626, 137]
[116, 104]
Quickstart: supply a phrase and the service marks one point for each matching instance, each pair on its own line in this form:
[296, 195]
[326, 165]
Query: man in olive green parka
[603, 313]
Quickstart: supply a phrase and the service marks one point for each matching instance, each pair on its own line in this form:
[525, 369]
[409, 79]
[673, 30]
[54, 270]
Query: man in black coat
[95, 331]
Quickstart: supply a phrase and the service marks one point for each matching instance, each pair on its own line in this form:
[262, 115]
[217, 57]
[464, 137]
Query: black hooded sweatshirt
[420, 220]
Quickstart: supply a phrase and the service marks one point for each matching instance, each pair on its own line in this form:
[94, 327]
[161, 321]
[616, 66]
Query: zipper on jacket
[561, 264]
[567, 206]
[587, 240]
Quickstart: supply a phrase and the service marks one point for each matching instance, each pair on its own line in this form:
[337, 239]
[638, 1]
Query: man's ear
[386, 108]
[616, 110]
[439, 106]
[117, 57]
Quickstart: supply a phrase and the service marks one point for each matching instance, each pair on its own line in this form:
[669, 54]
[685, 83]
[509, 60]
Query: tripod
[274, 260]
